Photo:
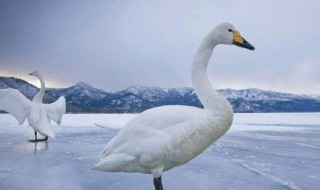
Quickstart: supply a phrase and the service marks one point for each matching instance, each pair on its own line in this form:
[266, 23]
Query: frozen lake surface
[260, 151]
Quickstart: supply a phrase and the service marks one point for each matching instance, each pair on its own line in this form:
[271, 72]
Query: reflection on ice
[40, 146]
[35, 147]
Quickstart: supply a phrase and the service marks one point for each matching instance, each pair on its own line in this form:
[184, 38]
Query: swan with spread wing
[39, 115]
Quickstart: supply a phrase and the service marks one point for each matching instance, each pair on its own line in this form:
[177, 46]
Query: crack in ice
[288, 184]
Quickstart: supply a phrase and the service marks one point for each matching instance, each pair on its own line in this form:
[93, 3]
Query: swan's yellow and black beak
[31, 74]
[238, 40]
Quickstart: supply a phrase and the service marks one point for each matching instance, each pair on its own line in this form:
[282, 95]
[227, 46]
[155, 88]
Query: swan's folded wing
[56, 110]
[12, 101]
[155, 129]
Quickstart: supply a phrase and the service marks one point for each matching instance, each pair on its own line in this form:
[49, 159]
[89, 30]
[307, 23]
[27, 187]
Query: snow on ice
[260, 151]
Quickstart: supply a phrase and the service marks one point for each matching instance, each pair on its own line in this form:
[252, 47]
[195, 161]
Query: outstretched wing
[56, 110]
[12, 101]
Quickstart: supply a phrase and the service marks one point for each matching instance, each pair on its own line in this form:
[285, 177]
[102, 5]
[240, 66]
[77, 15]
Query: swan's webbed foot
[158, 183]
[32, 140]
[36, 139]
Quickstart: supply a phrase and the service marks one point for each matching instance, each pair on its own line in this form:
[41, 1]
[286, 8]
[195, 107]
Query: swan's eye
[229, 30]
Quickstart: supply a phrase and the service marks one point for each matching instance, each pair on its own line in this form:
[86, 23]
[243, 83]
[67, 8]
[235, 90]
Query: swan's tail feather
[106, 151]
[46, 132]
[51, 134]
[44, 126]
[114, 163]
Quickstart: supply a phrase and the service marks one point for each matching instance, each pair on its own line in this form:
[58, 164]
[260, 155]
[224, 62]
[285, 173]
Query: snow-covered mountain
[24, 87]
[81, 95]
[142, 97]
[84, 97]
[256, 100]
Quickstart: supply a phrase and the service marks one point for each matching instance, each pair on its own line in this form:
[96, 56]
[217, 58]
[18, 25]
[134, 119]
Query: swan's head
[35, 73]
[226, 33]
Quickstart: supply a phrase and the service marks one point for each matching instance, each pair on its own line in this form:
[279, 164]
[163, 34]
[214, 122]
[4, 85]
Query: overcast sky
[115, 44]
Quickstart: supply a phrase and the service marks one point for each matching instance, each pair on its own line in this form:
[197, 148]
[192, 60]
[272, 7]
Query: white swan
[165, 137]
[38, 114]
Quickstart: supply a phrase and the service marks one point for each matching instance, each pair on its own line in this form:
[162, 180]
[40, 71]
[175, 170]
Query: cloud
[300, 77]
[115, 44]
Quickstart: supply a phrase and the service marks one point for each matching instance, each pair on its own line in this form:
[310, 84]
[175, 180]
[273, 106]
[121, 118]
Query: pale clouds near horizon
[116, 44]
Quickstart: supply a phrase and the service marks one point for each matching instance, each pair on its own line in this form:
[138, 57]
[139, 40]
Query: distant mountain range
[82, 97]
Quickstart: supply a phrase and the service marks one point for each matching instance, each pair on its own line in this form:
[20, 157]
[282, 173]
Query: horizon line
[137, 85]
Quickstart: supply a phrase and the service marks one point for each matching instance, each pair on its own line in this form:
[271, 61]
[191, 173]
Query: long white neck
[38, 97]
[208, 96]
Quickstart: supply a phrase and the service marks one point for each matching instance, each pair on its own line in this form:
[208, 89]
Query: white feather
[165, 137]
[56, 110]
[15, 103]
[169, 136]
[39, 120]
[39, 114]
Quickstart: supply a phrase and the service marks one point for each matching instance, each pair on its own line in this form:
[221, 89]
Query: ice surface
[261, 151]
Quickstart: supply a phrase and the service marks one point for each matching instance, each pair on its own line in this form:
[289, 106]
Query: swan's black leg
[46, 138]
[35, 138]
[158, 183]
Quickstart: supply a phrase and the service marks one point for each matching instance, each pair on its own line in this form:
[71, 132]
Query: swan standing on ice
[165, 137]
[39, 114]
